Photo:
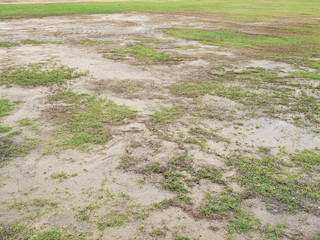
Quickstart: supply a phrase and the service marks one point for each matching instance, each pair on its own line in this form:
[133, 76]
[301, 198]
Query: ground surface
[219, 141]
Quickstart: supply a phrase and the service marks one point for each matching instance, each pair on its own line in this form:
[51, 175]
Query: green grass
[211, 173]
[167, 115]
[5, 107]
[61, 176]
[9, 44]
[297, 44]
[174, 182]
[145, 53]
[31, 41]
[260, 89]
[290, 183]
[88, 119]
[222, 205]
[133, 212]
[37, 75]
[26, 41]
[247, 9]
[17, 231]
[228, 205]
[8, 148]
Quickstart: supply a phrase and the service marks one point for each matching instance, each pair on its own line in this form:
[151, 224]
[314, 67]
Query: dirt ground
[98, 172]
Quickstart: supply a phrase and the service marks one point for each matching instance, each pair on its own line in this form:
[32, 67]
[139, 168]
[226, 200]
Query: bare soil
[142, 87]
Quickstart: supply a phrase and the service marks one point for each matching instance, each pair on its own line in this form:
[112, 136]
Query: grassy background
[244, 9]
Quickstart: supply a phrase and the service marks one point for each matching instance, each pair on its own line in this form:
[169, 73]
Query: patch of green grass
[8, 148]
[145, 53]
[159, 232]
[289, 183]
[25, 122]
[243, 222]
[249, 10]
[181, 237]
[224, 37]
[174, 182]
[119, 218]
[35, 203]
[167, 115]
[31, 41]
[15, 231]
[297, 61]
[182, 162]
[5, 129]
[306, 75]
[179, 200]
[260, 89]
[5, 107]
[211, 173]
[227, 205]
[37, 75]
[294, 43]
[85, 213]
[152, 168]
[192, 89]
[199, 140]
[88, 119]
[62, 176]
[9, 44]
[222, 205]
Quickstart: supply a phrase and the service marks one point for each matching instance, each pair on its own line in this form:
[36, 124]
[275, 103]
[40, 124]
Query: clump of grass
[38, 75]
[25, 122]
[179, 200]
[118, 218]
[21, 231]
[15, 231]
[61, 176]
[145, 53]
[9, 44]
[168, 115]
[5, 107]
[289, 183]
[35, 203]
[88, 119]
[174, 182]
[8, 148]
[31, 41]
[211, 173]
[306, 75]
[222, 205]
[193, 89]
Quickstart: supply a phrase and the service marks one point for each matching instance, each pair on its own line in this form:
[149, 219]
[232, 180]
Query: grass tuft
[37, 75]
[145, 53]
[87, 119]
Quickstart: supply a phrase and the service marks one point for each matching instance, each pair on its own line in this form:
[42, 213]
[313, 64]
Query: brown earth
[142, 87]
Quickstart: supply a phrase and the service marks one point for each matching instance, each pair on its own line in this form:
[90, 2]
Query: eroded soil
[116, 190]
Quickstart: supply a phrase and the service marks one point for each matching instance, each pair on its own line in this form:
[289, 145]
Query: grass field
[175, 120]
[249, 10]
